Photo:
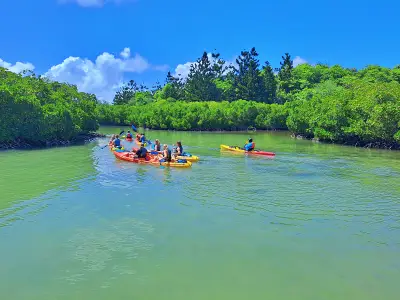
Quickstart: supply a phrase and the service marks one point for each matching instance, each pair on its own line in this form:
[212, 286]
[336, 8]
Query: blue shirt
[117, 142]
[248, 146]
[143, 139]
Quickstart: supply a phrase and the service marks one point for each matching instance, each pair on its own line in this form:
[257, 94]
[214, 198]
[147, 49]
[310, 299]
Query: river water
[315, 222]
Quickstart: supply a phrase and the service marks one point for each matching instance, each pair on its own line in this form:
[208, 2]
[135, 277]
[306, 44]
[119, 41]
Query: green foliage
[363, 113]
[248, 83]
[285, 73]
[270, 83]
[125, 93]
[202, 115]
[35, 110]
[200, 85]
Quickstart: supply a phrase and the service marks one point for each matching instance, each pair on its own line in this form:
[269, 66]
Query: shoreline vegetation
[20, 144]
[37, 113]
[330, 104]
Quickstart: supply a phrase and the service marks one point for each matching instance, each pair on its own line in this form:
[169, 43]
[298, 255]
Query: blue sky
[164, 34]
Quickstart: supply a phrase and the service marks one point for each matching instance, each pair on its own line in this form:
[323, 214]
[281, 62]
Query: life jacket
[181, 150]
[117, 143]
[169, 155]
[157, 147]
[129, 136]
[142, 153]
[253, 145]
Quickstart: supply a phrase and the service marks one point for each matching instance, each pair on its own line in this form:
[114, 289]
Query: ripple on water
[107, 249]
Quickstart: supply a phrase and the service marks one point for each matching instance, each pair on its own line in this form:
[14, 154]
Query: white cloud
[298, 61]
[101, 77]
[93, 3]
[126, 53]
[18, 67]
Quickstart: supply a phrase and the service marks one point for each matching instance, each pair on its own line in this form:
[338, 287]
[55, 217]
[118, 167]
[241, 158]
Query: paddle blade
[122, 132]
[134, 128]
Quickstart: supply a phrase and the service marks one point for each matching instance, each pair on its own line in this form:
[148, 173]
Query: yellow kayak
[112, 148]
[192, 158]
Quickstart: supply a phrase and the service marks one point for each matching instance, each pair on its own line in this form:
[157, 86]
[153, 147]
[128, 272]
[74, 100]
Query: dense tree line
[335, 104]
[330, 103]
[34, 110]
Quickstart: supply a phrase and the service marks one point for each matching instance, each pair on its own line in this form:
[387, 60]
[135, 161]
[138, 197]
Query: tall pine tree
[270, 83]
[248, 82]
[126, 93]
[173, 87]
[200, 85]
[285, 73]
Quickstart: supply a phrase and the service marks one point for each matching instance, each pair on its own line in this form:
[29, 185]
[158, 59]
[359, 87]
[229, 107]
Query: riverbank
[354, 143]
[26, 144]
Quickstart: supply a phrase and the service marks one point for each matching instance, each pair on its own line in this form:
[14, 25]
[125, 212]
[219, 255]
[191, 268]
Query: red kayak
[129, 139]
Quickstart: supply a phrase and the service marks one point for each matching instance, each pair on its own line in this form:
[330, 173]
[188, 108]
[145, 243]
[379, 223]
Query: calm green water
[315, 222]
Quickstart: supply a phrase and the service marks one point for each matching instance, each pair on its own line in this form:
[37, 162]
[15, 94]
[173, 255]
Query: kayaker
[157, 146]
[250, 145]
[129, 135]
[117, 142]
[142, 139]
[166, 154]
[112, 139]
[179, 148]
[142, 152]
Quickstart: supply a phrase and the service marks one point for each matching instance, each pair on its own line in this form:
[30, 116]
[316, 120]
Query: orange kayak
[130, 157]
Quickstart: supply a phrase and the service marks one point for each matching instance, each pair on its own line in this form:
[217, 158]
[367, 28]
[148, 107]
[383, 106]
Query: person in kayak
[166, 155]
[138, 137]
[179, 149]
[157, 146]
[117, 142]
[142, 152]
[250, 145]
[143, 139]
[112, 139]
[129, 135]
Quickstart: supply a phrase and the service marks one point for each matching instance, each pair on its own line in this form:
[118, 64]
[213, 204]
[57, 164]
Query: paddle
[134, 128]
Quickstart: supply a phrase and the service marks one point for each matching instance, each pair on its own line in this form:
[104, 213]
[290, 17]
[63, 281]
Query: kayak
[129, 139]
[139, 143]
[191, 158]
[112, 148]
[240, 150]
[129, 157]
